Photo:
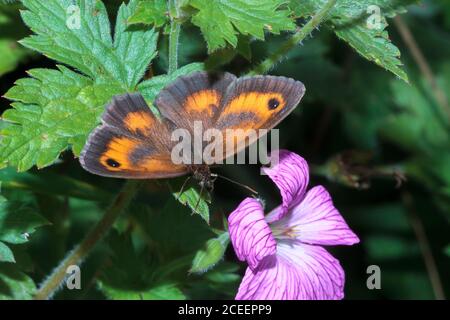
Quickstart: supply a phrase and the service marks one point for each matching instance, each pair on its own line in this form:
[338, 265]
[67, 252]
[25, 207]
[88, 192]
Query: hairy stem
[293, 41]
[81, 251]
[174, 36]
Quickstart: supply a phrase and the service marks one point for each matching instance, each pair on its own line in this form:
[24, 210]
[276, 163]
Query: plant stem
[81, 251]
[293, 41]
[174, 36]
[425, 248]
[423, 64]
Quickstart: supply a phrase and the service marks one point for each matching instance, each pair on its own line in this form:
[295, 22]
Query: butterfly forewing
[130, 143]
[195, 97]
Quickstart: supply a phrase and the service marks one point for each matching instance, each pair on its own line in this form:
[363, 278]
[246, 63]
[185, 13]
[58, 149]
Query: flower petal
[297, 272]
[291, 175]
[320, 275]
[273, 280]
[250, 234]
[315, 220]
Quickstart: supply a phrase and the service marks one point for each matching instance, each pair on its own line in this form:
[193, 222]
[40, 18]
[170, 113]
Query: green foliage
[196, 201]
[12, 53]
[168, 245]
[17, 223]
[357, 24]
[15, 285]
[152, 12]
[164, 292]
[220, 21]
[205, 259]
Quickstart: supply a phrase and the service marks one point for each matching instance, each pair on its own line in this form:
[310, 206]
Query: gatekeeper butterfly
[133, 142]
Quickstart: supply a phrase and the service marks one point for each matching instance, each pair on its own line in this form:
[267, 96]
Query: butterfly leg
[199, 196]
[183, 186]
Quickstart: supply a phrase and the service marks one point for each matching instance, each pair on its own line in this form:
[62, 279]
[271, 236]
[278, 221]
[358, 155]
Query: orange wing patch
[115, 158]
[139, 121]
[262, 105]
[203, 101]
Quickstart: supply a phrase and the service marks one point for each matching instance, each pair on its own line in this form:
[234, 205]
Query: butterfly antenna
[237, 183]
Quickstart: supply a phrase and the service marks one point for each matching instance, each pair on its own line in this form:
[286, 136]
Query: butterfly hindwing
[253, 103]
[196, 96]
[130, 143]
[258, 102]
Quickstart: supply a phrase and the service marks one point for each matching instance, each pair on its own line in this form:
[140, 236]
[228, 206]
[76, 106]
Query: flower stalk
[293, 41]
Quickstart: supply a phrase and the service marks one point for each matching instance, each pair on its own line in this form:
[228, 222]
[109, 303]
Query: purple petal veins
[250, 233]
[315, 220]
[291, 175]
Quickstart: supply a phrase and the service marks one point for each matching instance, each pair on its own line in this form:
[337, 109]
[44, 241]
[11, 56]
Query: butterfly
[135, 143]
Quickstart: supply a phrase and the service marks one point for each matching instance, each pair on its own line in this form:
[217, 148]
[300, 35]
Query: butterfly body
[134, 143]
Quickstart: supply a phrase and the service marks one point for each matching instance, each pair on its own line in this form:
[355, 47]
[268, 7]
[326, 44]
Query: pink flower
[284, 250]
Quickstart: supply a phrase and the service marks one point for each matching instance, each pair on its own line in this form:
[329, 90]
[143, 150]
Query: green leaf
[88, 46]
[6, 255]
[162, 292]
[151, 12]
[56, 109]
[135, 47]
[222, 20]
[374, 45]
[417, 125]
[160, 226]
[352, 22]
[15, 285]
[52, 184]
[18, 221]
[198, 202]
[347, 10]
[208, 257]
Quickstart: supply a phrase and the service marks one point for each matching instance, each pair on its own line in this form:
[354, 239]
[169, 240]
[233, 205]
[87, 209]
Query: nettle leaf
[162, 292]
[85, 42]
[213, 252]
[15, 285]
[374, 45]
[222, 20]
[56, 109]
[134, 47]
[151, 12]
[17, 222]
[362, 25]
